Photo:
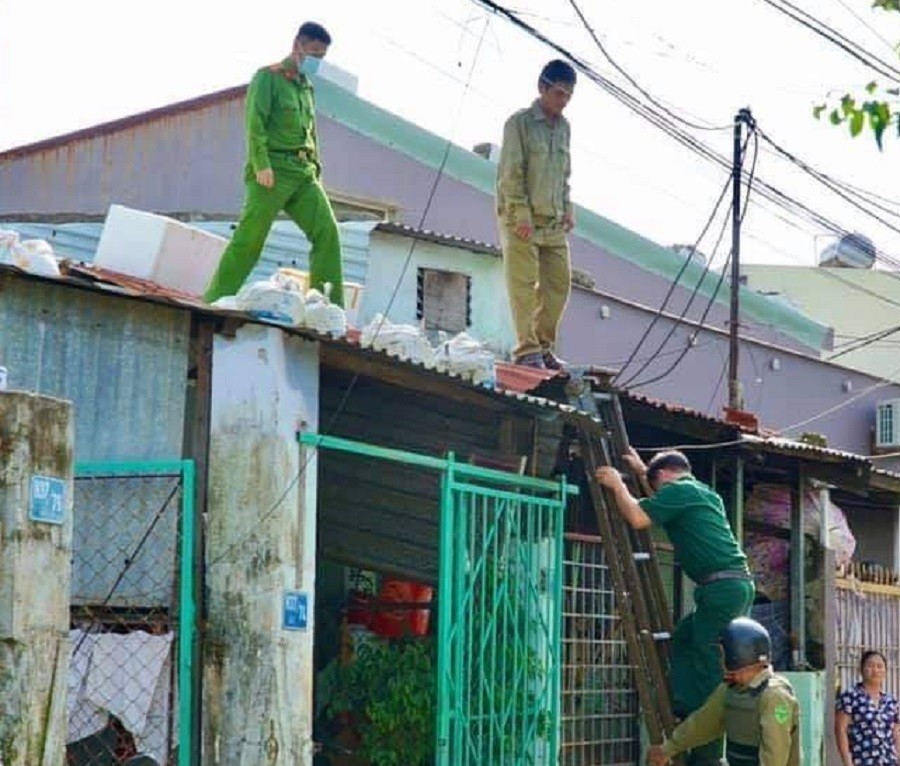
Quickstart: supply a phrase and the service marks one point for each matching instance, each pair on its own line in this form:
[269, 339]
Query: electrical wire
[830, 184]
[765, 190]
[847, 7]
[715, 294]
[680, 318]
[835, 37]
[355, 379]
[687, 261]
[864, 342]
[881, 383]
[615, 65]
[690, 447]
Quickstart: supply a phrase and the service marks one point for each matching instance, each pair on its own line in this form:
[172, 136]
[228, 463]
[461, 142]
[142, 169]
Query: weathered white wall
[491, 321]
[261, 541]
[36, 439]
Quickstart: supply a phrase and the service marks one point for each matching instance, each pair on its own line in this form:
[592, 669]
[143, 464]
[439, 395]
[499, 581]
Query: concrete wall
[491, 320]
[36, 442]
[261, 543]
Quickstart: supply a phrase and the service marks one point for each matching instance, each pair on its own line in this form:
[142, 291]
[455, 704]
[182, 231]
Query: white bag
[401, 340]
[32, 255]
[469, 358]
[269, 299]
[324, 316]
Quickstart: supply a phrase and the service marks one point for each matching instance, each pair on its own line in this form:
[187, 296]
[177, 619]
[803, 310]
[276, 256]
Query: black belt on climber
[725, 574]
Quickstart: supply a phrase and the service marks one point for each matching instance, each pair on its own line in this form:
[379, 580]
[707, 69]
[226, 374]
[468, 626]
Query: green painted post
[187, 619]
[445, 595]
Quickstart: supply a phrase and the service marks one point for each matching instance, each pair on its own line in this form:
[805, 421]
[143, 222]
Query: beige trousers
[538, 282]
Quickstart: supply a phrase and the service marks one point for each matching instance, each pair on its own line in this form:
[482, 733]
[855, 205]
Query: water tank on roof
[852, 251]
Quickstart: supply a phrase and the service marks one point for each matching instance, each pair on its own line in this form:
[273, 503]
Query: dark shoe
[552, 362]
[531, 360]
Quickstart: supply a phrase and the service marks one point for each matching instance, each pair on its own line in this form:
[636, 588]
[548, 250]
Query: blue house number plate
[48, 500]
[295, 612]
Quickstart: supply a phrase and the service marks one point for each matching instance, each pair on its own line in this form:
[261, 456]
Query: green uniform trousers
[696, 664]
[538, 280]
[298, 193]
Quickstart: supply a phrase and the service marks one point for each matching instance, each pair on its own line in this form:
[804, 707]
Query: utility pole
[735, 392]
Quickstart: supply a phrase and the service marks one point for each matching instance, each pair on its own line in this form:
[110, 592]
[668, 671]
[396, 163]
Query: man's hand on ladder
[656, 756]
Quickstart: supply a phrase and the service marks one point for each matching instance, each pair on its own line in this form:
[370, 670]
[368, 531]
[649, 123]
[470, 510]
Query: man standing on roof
[283, 171]
[535, 214]
[693, 516]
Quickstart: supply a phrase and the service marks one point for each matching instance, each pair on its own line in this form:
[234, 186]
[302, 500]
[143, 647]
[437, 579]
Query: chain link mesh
[122, 706]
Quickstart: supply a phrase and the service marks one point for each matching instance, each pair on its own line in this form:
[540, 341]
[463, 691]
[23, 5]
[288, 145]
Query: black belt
[302, 154]
[725, 574]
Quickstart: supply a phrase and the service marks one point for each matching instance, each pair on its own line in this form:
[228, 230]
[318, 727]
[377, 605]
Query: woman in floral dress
[867, 719]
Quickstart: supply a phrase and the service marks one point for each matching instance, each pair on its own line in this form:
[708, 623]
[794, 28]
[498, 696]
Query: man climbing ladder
[693, 516]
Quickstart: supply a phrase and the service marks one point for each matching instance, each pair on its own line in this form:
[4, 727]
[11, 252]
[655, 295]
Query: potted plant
[388, 692]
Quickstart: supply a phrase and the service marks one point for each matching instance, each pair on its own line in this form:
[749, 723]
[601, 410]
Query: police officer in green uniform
[283, 171]
[693, 516]
[754, 708]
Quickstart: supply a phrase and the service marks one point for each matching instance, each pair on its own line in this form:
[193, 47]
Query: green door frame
[517, 510]
[187, 618]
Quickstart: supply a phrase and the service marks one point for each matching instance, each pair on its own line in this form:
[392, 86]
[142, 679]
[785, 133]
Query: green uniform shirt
[694, 519]
[534, 170]
[281, 116]
[779, 720]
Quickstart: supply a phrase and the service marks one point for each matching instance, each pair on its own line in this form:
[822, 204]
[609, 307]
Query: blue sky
[65, 66]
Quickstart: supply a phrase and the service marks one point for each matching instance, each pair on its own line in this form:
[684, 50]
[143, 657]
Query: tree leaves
[879, 110]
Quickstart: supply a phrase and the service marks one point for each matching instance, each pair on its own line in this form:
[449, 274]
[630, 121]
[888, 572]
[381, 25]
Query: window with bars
[444, 300]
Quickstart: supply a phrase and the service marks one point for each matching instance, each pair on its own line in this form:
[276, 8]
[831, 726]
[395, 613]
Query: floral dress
[871, 729]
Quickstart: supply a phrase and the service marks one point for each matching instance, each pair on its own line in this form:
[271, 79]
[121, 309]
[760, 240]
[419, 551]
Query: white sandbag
[8, 241]
[465, 356]
[401, 340]
[322, 315]
[326, 318]
[270, 300]
[32, 255]
[39, 258]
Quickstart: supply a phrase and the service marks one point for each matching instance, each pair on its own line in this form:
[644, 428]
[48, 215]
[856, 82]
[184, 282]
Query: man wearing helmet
[754, 708]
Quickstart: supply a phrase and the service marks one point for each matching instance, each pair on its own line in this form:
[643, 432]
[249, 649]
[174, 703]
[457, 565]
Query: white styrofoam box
[160, 249]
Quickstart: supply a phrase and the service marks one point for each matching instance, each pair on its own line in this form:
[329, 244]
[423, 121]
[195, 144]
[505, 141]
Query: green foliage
[507, 680]
[390, 690]
[879, 110]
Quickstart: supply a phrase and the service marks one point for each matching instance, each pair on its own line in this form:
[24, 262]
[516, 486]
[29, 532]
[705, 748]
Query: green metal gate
[499, 609]
[500, 618]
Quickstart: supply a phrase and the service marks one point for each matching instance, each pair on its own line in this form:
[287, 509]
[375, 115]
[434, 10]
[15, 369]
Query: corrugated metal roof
[130, 361]
[802, 448]
[286, 245]
[676, 409]
[514, 383]
[449, 240]
[96, 279]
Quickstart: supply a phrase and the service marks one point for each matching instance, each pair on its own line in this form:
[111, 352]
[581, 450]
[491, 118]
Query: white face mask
[310, 65]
